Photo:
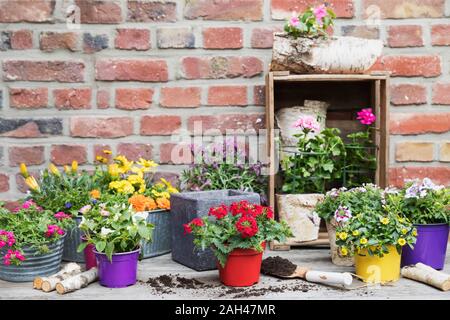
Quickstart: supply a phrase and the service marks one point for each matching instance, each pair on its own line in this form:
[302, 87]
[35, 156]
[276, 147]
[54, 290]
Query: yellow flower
[122, 186]
[124, 164]
[343, 235]
[107, 151]
[355, 233]
[74, 166]
[95, 194]
[66, 169]
[384, 220]
[32, 183]
[363, 241]
[101, 159]
[344, 251]
[147, 163]
[414, 233]
[401, 220]
[24, 170]
[170, 188]
[401, 242]
[404, 231]
[53, 169]
[113, 170]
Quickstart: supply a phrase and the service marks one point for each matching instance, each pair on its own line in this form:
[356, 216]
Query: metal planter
[35, 264]
[73, 240]
[189, 205]
[161, 243]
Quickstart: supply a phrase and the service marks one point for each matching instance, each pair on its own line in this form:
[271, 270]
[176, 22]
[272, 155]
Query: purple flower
[68, 205]
[412, 191]
[342, 214]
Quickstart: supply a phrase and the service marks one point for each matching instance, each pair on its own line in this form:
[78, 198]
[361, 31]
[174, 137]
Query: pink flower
[320, 12]
[27, 204]
[2, 243]
[6, 262]
[365, 116]
[52, 229]
[104, 213]
[308, 123]
[294, 21]
[61, 215]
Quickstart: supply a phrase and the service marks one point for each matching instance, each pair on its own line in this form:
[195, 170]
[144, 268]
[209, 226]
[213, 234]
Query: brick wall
[137, 71]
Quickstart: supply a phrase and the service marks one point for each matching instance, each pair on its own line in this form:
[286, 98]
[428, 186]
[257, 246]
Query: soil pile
[277, 266]
[165, 283]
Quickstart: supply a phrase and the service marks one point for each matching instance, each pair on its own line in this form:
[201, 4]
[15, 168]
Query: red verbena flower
[247, 226]
[197, 222]
[187, 228]
[218, 212]
[241, 208]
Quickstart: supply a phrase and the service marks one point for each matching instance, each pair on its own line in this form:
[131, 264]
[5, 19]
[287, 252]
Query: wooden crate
[346, 93]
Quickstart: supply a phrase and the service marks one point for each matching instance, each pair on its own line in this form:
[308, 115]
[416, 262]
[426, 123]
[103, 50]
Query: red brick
[101, 12]
[20, 181]
[414, 151]
[282, 9]
[176, 38]
[180, 97]
[92, 127]
[21, 98]
[11, 205]
[222, 38]
[438, 174]
[404, 94]
[160, 125]
[419, 123]
[366, 32]
[153, 11]
[29, 155]
[440, 35]
[262, 38]
[103, 98]
[25, 70]
[93, 43]
[220, 67]
[51, 41]
[221, 123]
[98, 151]
[133, 99]
[63, 154]
[259, 95]
[410, 66]
[133, 39]
[402, 9]
[4, 182]
[441, 93]
[172, 153]
[72, 98]
[27, 130]
[22, 39]
[26, 11]
[131, 70]
[227, 96]
[224, 10]
[134, 151]
[405, 36]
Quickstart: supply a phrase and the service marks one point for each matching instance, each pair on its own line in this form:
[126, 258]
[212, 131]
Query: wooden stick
[426, 274]
[68, 270]
[78, 281]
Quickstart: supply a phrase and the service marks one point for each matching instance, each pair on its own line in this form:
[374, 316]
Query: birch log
[333, 55]
[330, 278]
[426, 274]
[68, 270]
[78, 281]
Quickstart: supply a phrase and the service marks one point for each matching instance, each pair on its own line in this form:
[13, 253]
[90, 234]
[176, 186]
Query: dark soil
[277, 266]
[164, 283]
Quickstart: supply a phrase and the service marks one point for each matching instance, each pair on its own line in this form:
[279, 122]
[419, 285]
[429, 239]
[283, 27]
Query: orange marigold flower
[142, 203]
[163, 203]
[95, 194]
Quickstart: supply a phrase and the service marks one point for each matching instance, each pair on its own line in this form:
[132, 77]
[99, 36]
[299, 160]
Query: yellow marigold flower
[74, 166]
[53, 169]
[107, 151]
[135, 179]
[163, 203]
[344, 251]
[384, 220]
[401, 242]
[355, 233]
[363, 241]
[32, 183]
[404, 231]
[343, 235]
[95, 194]
[414, 233]
[24, 170]
[113, 170]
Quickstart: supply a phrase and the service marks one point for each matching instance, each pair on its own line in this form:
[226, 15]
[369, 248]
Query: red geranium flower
[241, 208]
[197, 222]
[218, 212]
[187, 228]
[247, 226]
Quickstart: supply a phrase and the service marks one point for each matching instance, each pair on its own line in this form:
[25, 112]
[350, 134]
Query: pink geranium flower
[366, 116]
[320, 12]
[307, 123]
[294, 21]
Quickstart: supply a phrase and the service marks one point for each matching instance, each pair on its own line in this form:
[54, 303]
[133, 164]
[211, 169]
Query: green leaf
[100, 246]
[109, 250]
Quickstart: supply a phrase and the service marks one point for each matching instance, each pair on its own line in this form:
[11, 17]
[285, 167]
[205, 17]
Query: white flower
[85, 209]
[105, 231]
[83, 221]
[140, 216]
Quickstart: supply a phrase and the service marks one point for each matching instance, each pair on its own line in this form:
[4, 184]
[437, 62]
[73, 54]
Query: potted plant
[375, 234]
[116, 231]
[66, 192]
[31, 242]
[237, 235]
[306, 47]
[427, 206]
[307, 174]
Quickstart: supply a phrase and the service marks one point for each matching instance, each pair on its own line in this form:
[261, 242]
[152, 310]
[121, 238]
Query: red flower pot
[242, 269]
[89, 255]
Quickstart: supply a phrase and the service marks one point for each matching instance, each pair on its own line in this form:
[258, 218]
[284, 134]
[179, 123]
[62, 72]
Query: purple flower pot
[430, 247]
[120, 272]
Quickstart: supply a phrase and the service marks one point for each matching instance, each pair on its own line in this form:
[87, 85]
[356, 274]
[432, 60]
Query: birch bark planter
[298, 211]
[73, 240]
[161, 239]
[333, 55]
[373, 269]
[336, 257]
[35, 264]
[430, 247]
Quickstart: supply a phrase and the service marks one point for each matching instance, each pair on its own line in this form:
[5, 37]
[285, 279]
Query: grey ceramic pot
[161, 240]
[73, 240]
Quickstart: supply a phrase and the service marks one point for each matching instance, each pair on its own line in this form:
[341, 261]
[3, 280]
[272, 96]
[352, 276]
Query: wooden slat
[329, 77]
[321, 241]
[270, 124]
[384, 133]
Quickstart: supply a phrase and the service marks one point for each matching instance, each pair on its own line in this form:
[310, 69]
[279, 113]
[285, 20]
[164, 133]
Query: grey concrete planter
[189, 205]
[73, 240]
[35, 264]
[161, 242]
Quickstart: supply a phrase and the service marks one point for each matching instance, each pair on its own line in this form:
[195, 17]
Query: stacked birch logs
[68, 279]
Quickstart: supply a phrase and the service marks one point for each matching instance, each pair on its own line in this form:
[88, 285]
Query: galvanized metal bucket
[35, 264]
[161, 243]
[73, 240]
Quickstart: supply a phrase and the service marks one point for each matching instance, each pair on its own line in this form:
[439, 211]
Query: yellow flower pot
[373, 269]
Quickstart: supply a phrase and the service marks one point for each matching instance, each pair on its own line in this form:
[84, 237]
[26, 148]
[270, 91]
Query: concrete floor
[268, 288]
